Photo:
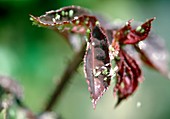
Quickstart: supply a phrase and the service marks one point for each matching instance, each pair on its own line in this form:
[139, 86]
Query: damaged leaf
[128, 76]
[97, 64]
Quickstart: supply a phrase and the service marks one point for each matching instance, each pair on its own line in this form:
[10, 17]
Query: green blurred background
[36, 57]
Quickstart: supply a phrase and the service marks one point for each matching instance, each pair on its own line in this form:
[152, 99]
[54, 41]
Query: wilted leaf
[121, 34]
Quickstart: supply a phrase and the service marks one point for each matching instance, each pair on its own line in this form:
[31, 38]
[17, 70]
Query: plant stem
[65, 78]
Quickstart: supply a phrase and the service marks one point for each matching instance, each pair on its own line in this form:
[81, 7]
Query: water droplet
[93, 43]
[138, 104]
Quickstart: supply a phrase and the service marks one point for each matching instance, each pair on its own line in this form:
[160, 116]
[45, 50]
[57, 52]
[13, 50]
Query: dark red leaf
[121, 35]
[152, 51]
[128, 76]
[127, 35]
[97, 64]
[60, 16]
[68, 21]
[71, 18]
[140, 33]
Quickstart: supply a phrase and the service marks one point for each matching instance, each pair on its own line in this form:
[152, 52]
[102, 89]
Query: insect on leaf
[140, 33]
[127, 35]
[105, 44]
[71, 18]
[69, 22]
[97, 64]
[128, 76]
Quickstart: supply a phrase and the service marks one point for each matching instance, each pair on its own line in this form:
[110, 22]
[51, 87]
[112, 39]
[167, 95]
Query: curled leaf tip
[129, 22]
[153, 18]
[118, 102]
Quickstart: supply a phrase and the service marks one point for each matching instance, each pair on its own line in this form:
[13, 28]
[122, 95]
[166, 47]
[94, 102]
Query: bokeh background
[36, 57]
